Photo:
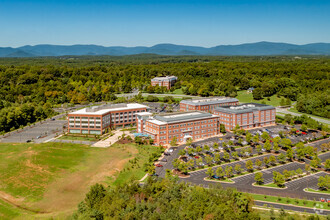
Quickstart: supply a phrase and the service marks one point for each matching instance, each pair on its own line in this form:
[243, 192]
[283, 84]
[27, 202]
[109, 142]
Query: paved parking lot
[309, 181]
[38, 133]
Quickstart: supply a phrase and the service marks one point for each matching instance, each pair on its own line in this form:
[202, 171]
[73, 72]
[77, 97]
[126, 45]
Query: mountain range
[248, 49]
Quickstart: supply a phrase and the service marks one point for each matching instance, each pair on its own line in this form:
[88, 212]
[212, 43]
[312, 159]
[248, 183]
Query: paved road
[282, 111]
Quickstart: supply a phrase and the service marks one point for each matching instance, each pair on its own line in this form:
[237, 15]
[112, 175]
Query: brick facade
[206, 105]
[167, 81]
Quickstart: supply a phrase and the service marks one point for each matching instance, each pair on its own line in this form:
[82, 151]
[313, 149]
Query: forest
[165, 199]
[46, 82]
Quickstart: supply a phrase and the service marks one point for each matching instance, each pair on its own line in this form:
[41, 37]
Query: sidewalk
[109, 141]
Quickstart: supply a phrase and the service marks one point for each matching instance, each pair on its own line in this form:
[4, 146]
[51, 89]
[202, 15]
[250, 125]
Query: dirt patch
[175, 172]
[65, 193]
[125, 141]
[10, 199]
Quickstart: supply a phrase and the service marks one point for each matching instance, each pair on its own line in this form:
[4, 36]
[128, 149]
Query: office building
[166, 81]
[206, 104]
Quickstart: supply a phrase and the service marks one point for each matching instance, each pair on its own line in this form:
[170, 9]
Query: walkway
[109, 141]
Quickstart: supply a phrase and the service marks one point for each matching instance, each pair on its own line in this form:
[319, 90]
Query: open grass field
[49, 180]
[77, 138]
[318, 191]
[245, 97]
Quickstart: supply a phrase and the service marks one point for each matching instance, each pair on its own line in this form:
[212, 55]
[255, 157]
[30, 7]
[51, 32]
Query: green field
[53, 178]
[178, 92]
[245, 97]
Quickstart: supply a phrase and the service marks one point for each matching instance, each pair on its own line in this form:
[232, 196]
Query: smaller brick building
[166, 81]
[183, 125]
[247, 115]
[206, 104]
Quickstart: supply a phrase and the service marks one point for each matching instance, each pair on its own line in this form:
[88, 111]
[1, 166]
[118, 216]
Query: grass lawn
[135, 169]
[178, 92]
[54, 177]
[317, 191]
[245, 97]
[77, 138]
[290, 201]
[272, 185]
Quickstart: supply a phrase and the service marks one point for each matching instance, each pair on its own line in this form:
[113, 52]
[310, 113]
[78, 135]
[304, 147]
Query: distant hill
[248, 49]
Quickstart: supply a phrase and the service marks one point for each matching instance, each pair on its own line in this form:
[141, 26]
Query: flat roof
[244, 108]
[209, 101]
[160, 78]
[179, 117]
[103, 109]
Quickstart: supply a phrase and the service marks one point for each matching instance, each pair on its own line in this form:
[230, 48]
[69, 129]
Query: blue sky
[149, 22]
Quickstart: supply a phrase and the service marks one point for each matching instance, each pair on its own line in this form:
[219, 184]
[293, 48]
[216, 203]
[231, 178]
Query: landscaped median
[291, 201]
[326, 192]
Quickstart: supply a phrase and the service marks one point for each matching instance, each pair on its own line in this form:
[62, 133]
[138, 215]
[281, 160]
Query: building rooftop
[163, 78]
[244, 108]
[103, 109]
[179, 117]
[209, 101]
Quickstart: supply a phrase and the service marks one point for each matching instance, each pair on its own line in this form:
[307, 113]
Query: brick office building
[183, 125]
[247, 115]
[167, 81]
[96, 119]
[206, 104]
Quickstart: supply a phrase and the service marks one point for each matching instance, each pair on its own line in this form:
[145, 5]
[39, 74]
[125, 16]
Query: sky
[148, 22]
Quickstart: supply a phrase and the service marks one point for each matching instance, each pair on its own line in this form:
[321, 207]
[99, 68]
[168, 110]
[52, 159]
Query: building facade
[206, 104]
[97, 119]
[249, 115]
[183, 125]
[166, 81]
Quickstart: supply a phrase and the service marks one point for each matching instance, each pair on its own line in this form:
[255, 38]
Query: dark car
[215, 177]
[28, 141]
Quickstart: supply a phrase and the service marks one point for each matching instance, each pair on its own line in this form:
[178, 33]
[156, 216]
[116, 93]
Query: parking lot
[37, 133]
[309, 181]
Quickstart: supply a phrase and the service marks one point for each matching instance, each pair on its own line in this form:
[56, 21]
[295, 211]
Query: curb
[218, 181]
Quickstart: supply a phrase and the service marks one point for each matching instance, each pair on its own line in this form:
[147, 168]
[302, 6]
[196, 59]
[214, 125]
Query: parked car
[322, 199]
[167, 154]
[215, 177]
[28, 141]
[38, 137]
[164, 160]
[196, 157]
[159, 165]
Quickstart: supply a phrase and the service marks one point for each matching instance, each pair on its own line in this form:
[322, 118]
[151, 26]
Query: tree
[303, 127]
[226, 156]
[206, 147]
[95, 195]
[265, 136]
[182, 152]
[229, 171]
[278, 179]
[174, 141]
[189, 141]
[249, 165]
[208, 159]
[258, 177]
[199, 149]
[215, 145]
[266, 161]
[286, 174]
[257, 94]
[259, 149]
[316, 162]
[281, 158]
[300, 149]
[236, 129]
[219, 172]
[222, 128]
[209, 172]
[217, 158]
[268, 146]
[258, 163]
[230, 143]
[324, 182]
[276, 147]
[299, 172]
[191, 164]
[327, 164]
[272, 160]
[256, 138]
[234, 155]
[282, 102]
[248, 137]
[289, 154]
[238, 168]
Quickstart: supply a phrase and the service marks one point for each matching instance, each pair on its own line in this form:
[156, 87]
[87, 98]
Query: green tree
[307, 168]
[286, 174]
[95, 195]
[324, 182]
[278, 179]
[209, 172]
[276, 147]
[268, 146]
[208, 159]
[249, 165]
[182, 152]
[303, 127]
[217, 158]
[258, 177]
[257, 94]
[222, 128]
[256, 138]
[248, 137]
[281, 158]
[265, 136]
[238, 168]
[234, 155]
[226, 156]
[174, 141]
[258, 163]
[220, 173]
[229, 171]
[266, 161]
[272, 160]
[299, 172]
[300, 149]
[327, 164]
[259, 149]
[289, 154]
